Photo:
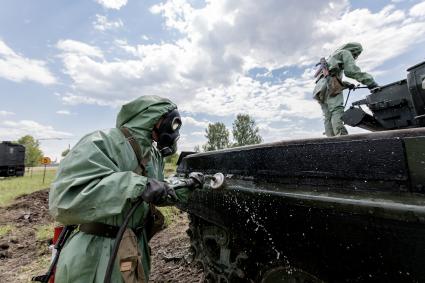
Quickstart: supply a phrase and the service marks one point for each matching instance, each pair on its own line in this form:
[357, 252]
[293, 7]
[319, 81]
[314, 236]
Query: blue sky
[67, 66]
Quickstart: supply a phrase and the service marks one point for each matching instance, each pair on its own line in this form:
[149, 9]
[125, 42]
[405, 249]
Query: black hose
[353, 89]
[118, 239]
[348, 95]
[63, 237]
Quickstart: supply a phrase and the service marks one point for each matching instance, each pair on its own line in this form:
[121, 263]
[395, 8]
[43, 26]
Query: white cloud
[16, 67]
[78, 48]
[187, 120]
[187, 142]
[199, 133]
[376, 32]
[263, 101]
[418, 10]
[63, 112]
[112, 4]
[102, 23]
[6, 113]
[206, 69]
[177, 13]
[52, 141]
[12, 130]
[288, 132]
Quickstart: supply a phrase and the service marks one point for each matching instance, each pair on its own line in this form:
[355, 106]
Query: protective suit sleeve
[93, 182]
[352, 71]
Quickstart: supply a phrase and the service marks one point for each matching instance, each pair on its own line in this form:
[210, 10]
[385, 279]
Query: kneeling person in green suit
[100, 179]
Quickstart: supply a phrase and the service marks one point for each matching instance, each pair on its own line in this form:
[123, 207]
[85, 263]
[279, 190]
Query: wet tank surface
[347, 209]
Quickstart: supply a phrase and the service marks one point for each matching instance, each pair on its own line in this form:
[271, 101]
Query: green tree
[33, 153]
[65, 152]
[217, 137]
[245, 131]
[197, 148]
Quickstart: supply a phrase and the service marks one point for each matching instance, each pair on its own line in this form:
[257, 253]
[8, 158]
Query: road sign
[45, 160]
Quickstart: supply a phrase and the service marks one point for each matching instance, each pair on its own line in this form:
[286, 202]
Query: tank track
[214, 249]
[224, 261]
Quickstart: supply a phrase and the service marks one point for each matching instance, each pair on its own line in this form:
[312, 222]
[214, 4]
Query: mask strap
[142, 162]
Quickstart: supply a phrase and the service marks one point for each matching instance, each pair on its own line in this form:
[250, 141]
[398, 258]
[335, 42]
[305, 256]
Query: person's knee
[337, 110]
[327, 117]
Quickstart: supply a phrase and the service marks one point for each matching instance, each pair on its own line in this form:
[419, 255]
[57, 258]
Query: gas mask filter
[168, 133]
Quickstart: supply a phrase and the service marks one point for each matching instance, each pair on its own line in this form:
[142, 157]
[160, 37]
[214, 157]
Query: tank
[397, 105]
[12, 159]
[345, 209]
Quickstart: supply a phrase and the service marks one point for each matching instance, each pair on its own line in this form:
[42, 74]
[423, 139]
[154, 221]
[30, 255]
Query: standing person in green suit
[99, 180]
[329, 85]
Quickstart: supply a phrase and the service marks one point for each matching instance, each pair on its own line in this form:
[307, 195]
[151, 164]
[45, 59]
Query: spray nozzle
[198, 180]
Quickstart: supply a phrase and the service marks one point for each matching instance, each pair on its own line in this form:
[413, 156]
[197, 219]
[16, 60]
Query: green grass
[44, 232]
[12, 187]
[36, 267]
[5, 229]
[170, 213]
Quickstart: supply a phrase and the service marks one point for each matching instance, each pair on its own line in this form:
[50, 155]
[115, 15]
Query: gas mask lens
[176, 124]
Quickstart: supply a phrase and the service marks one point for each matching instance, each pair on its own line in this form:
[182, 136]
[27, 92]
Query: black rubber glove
[156, 192]
[351, 86]
[197, 179]
[372, 85]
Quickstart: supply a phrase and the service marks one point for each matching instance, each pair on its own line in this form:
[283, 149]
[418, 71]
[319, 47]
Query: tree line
[244, 132]
[33, 153]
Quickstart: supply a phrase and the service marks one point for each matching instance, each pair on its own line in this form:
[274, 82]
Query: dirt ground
[23, 256]
[170, 254]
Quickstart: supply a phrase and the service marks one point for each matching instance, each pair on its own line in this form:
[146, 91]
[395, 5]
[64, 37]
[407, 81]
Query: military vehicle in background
[344, 209]
[12, 159]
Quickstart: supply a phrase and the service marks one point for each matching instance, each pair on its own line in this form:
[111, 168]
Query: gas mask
[168, 133]
[356, 54]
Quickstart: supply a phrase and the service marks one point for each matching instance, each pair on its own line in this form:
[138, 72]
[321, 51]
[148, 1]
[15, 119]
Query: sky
[66, 67]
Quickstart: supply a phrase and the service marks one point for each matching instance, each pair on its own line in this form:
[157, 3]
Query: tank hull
[348, 209]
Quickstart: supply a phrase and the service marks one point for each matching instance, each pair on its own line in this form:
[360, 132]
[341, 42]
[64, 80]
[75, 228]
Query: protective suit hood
[141, 115]
[354, 47]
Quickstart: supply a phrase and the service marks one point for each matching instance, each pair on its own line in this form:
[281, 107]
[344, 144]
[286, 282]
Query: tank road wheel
[224, 260]
[282, 274]
[214, 249]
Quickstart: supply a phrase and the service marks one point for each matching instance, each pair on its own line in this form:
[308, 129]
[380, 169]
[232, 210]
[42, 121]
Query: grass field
[12, 187]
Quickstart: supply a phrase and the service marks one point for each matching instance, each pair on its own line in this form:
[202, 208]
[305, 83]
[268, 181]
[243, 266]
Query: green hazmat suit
[342, 61]
[95, 182]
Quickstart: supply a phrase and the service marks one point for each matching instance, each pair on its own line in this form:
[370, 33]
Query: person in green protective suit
[97, 182]
[329, 86]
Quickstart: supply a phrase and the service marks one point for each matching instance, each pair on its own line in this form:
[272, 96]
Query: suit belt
[106, 230]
